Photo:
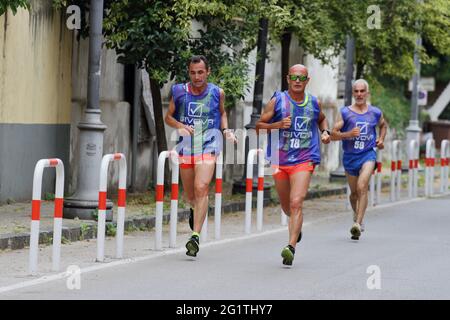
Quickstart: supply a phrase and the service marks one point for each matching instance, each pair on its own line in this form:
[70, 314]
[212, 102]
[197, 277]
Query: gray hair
[361, 81]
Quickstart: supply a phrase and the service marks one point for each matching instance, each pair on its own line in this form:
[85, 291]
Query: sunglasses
[295, 77]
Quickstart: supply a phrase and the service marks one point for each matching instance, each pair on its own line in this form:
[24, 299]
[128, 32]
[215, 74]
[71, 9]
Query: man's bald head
[297, 79]
[298, 68]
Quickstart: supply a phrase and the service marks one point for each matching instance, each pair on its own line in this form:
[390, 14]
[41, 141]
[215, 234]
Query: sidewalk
[140, 214]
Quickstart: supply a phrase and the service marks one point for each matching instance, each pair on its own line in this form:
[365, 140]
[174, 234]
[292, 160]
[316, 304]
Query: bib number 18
[295, 143]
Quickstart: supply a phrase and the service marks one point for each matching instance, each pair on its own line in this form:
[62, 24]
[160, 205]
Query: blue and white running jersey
[367, 123]
[301, 142]
[202, 112]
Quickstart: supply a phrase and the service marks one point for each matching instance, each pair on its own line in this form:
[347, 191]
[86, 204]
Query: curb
[88, 229]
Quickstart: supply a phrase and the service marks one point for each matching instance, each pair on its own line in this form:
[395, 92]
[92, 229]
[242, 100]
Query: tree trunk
[161, 139]
[359, 70]
[285, 45]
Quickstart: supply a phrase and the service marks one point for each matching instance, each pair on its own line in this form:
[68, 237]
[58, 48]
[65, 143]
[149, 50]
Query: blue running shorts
[354, 162]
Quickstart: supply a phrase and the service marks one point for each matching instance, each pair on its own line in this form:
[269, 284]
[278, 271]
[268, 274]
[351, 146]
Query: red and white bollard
[413, 155]
[396, 170]
[217, 204]
[379, 165]
[348, 192]
[160, 199]
[218, 197]
[174, 200]
[249, 189]
[284, 218]
[445, 161]
[372, 188]
[430, 155]
[36, 213]
[120, 204]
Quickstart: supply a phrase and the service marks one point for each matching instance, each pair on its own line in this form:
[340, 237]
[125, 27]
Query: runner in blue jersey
[356, 126]
[298, 118]
[197, 111]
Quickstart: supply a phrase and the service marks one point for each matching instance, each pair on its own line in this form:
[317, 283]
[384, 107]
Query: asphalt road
[403, 254]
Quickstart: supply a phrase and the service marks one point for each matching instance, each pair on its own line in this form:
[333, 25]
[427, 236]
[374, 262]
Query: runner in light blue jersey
[356, 126]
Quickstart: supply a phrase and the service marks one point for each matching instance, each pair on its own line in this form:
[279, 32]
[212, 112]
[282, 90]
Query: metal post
[102, 190]
[248, 195]
[160, 198]
[240, 186]
[413, 130]
[379, 176]
[429, 170]
[412, 171]
[444, 165]
[339, 173]
[218, 197]
[36, 213]
[395, 167]
[84, 202]
[372, 189]
[284, 218]
[399, 171]
[136, 122]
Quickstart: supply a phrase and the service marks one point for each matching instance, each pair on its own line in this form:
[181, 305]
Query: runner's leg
[299, 188]
[203, 174]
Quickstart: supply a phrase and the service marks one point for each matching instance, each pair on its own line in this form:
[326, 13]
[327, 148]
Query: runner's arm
[382, 124]
[267, 115]
[223, 113]
[224, 118]
[171, 121]
[323, 125]
[338, 135]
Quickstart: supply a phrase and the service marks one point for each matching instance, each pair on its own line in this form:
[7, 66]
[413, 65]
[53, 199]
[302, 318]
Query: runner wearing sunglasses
[300, 123]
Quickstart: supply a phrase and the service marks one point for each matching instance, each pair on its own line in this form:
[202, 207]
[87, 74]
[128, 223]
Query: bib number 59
[359, 145]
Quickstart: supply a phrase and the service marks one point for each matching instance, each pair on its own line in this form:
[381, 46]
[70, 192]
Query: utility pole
[85, 200]
[259, 72]
[339, 173]
[349, 69]
[413, 130]
[239, 186]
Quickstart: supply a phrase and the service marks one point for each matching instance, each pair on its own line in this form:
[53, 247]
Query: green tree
[13, 5]
[385, 55]
[312, 22]
[159, 36]
[388, 50]
[384, 50]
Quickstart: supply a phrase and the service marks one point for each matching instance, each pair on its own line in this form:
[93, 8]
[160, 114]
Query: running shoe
[355, 231]
[299, 237]
[192, 246]
[287, 254]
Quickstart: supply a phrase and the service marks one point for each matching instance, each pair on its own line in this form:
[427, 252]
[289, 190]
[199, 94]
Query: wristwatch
[328, 131]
